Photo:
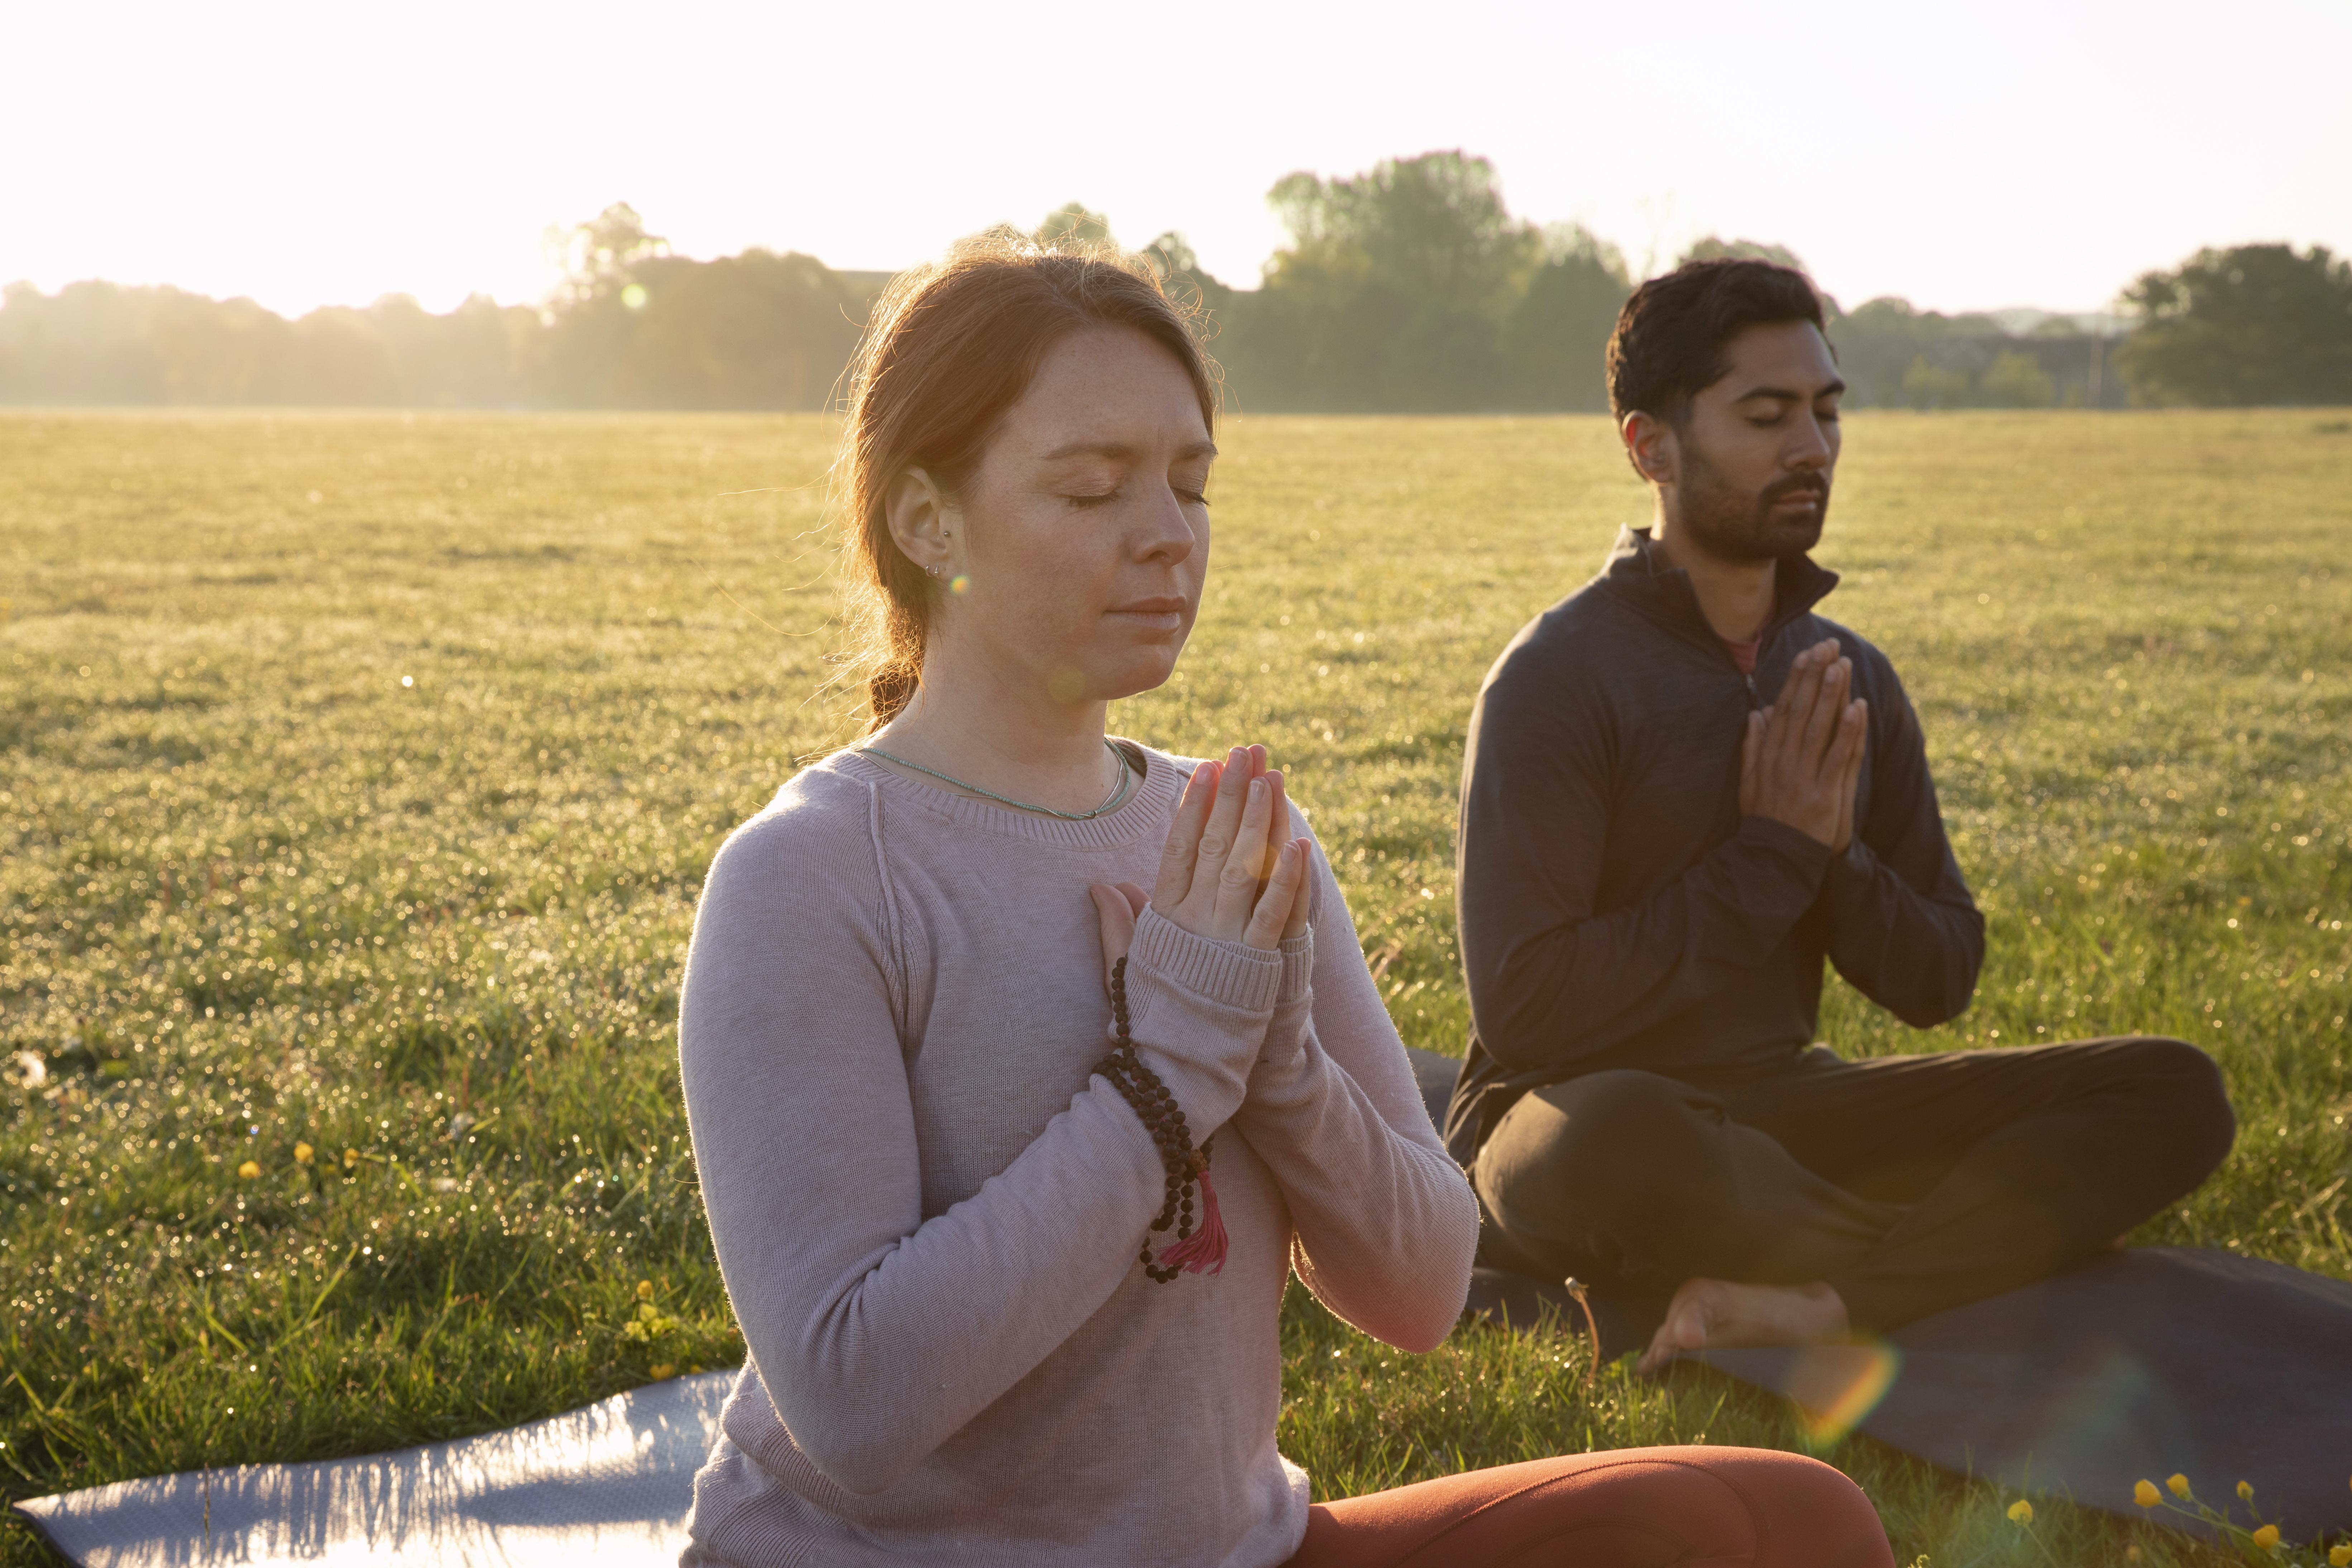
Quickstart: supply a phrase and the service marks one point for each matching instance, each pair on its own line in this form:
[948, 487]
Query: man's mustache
[1795, 484]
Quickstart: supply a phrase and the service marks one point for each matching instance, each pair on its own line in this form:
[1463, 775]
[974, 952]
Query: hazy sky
[1966, 156]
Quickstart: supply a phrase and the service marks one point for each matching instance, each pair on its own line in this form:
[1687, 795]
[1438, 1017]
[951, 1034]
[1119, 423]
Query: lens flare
[1837, 1386]
[960, 584]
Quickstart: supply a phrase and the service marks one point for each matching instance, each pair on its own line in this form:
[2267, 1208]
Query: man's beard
[1731, 525]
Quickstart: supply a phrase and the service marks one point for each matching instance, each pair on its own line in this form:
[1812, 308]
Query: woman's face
[1081, 540]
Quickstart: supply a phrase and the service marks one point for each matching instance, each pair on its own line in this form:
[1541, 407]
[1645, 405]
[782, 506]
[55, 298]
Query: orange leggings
[1629, 1508]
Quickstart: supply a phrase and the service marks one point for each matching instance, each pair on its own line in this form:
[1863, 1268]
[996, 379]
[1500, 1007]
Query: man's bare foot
[1715, 1313]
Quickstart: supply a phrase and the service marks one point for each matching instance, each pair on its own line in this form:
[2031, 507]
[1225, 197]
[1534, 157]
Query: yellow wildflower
[2145, 1494]
[663, 1372]
[2178, 1485]
[2339, 1557]
[2246, 1491]
[2020, 1513]
[248, 1170]
[303, 1153]
[2267, 1537]
[645, 1290]
[650, 1312]
[350, 1158]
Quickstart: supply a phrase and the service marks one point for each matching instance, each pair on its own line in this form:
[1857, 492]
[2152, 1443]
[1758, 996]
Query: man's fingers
[1794, 706]
[1853, 739]
[1751, 752]
[1175, 879]
[1829, 707]
[1270, 920]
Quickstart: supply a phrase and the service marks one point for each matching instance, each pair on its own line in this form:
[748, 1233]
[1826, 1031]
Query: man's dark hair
[1673, 335]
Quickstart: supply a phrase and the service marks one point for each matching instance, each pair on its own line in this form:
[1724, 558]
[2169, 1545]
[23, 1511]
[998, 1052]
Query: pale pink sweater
[927, 1209]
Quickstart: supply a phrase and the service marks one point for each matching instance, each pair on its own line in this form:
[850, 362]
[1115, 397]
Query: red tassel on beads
[1204, 1251]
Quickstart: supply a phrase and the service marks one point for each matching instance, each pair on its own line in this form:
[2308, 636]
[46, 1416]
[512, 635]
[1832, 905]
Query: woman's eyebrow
[1123, 451]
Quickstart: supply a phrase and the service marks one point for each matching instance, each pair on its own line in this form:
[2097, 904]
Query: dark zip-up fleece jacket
[1617, 911]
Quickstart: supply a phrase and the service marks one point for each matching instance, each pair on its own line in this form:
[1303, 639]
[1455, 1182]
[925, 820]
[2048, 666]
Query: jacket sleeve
[1552, 979]
[879, 1333]
[1383, 1223]
[1903, 928]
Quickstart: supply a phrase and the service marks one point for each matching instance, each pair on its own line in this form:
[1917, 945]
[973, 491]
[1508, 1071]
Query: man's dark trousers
[1908, 1183]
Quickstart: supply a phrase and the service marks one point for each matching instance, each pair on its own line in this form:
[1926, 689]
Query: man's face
[1752, 461]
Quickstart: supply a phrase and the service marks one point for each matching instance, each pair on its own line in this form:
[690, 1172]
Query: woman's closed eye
[1088, 500]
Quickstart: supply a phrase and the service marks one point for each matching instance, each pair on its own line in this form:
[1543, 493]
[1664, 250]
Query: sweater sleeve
[1903, 928]
[878, 1333]
[1552, 979]
[1384, 1222]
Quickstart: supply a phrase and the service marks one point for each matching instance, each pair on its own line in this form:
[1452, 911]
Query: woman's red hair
[947, 349]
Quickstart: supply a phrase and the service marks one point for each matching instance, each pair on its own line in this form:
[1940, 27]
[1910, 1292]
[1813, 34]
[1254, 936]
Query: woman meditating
[1008, 1162]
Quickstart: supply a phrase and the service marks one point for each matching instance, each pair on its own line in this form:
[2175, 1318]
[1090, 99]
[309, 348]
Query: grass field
[357, 775]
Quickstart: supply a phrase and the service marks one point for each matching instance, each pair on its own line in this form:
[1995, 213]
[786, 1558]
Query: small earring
[932, 570]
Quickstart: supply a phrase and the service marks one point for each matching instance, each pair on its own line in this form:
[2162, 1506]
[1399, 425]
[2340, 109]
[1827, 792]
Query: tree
[1392, 291]
[753, 331]
[600, 258]
[2015, 379]
[1925, 385]
[1557, 335]
[1076, 224]
[2251, 324]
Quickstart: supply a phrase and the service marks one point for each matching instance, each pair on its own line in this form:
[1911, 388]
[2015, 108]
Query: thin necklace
[1117, 789]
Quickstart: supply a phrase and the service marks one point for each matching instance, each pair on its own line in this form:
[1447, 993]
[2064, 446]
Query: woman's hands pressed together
[1231, 871]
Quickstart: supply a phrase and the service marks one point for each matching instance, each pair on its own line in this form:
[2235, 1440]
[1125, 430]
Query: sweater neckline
[1146, 810]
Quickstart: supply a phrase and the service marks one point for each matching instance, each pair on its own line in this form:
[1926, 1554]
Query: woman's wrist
[1229, 974]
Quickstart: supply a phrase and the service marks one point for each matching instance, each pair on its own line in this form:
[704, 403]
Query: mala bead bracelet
[1202, 1250]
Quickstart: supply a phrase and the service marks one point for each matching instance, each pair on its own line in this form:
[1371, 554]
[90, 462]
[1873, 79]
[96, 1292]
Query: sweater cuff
[1804, 853]
[1298, 969]
[1848, 877]
[1230, 973]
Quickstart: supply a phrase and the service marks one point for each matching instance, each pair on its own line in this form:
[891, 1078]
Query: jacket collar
[1637, 572]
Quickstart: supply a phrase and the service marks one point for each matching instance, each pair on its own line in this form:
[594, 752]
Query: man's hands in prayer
[1801, 757]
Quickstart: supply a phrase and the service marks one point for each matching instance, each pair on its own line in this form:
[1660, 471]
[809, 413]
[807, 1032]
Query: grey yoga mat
[2136, 1365]
[610, 1482]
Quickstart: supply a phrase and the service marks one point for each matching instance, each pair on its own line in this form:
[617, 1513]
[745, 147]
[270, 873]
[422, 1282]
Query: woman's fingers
[1115, 911]
[1221, 833]
[1175, 879]
[1277, 829]
[1237, 880]
[1303, 899]
[1272, 916]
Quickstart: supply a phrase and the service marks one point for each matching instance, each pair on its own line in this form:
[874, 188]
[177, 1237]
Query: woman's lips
[1154, 614]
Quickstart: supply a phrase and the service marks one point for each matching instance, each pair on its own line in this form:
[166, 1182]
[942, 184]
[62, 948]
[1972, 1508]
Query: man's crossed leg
[1791, 1206]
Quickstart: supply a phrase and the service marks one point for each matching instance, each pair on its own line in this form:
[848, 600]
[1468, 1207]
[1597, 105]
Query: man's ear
[922, 524]
[1650, 442]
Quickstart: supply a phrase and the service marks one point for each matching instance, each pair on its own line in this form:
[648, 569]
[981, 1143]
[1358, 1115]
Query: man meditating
[1685, 789]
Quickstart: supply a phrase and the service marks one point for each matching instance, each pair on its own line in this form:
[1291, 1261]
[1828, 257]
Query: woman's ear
[922, 524]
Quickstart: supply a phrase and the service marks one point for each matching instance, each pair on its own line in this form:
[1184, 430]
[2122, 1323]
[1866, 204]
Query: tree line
[1408, 288]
